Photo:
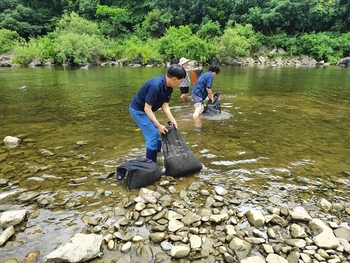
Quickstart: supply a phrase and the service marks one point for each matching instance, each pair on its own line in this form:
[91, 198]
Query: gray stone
[253, 259]
[342, 232]
[299, 213]
[241, 247]
[323, 235]
[12, 218]
[81, 247]
[273, 258]
[180, 251]
[6, 234]
[157, 237]
[255, 218]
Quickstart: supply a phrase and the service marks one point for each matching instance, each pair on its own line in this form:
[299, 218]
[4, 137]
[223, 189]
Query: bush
[180, 42]
[40, 49]
[237, 41]
[7, 40]
[321, 46]
[135, 48]
[77, 48]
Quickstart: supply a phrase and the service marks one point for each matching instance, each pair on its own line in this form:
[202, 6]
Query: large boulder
[344, 62]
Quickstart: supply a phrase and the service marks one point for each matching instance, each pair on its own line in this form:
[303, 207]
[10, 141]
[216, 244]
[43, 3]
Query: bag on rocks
[139, 173]
[178, 158]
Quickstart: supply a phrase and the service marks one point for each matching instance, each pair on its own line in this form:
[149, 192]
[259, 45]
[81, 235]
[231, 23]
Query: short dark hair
[214, 68]
[177, 71]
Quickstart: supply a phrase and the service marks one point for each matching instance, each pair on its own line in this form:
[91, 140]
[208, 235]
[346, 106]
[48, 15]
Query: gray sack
[178, 158]
[139, 172]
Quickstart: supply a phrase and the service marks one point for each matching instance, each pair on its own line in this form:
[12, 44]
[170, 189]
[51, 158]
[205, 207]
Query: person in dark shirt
[153, 95]
[202, 89]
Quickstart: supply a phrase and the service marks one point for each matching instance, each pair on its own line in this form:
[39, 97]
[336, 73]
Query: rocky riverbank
[275, 58]
[203, 223]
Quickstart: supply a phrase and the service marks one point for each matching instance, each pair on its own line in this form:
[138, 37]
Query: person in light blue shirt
[202, 89]
[153, 95]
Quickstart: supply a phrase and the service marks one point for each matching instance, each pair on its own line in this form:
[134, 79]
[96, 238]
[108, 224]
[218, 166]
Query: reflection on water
[279, 127]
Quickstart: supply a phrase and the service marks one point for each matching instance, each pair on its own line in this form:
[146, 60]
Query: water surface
[281, 128]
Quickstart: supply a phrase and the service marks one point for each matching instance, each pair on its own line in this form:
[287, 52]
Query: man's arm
[210, 95]
[167, 112]
[150, 114]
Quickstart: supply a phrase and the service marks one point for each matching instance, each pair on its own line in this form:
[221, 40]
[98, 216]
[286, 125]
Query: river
[280, 128]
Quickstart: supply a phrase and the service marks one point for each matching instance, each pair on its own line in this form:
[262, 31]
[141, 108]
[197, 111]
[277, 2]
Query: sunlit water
[280, 128]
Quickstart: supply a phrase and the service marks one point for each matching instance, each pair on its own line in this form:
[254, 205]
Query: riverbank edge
[261, 60]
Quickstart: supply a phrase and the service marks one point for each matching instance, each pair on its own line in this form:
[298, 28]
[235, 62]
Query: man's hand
[162, 129]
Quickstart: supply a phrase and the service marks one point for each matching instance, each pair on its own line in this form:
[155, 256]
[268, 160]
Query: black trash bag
[139, 173]
[178, 158]
[213, 108]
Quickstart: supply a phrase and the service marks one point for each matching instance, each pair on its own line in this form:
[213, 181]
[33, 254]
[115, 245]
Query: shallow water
[280, 128]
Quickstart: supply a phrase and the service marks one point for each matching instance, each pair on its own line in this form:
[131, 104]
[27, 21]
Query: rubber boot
[151, 154]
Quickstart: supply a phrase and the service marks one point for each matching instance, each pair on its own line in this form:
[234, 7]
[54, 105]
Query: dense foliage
[86, 31]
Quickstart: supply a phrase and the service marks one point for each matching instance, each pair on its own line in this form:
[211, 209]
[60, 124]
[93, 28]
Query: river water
[280, 128]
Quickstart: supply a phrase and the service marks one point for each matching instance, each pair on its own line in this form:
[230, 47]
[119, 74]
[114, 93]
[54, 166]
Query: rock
[195, 242]
[31, 257]
[297, 231]
[12, 218]
[255, 218]
[220, 190]
[273, 258]
[180, 251]
[6, 234]
[11, 260]
[272, 52]
[11, 141]
[253, 259]
[281, 51]
[190, 218]
[342, 232]
[157, 237]
[299, 214]
[146, 253]
[174, 225]
[81, 247]
[126, 247]
[325, 205]
[241, 247]
[344, 62]
[323, 235]
[160, 257]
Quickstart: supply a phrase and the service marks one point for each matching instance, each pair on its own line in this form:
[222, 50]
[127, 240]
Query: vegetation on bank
[91, 31]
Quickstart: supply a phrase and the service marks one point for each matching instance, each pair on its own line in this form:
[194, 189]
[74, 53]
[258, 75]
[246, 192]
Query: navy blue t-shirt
[154, 92]
[205, 81]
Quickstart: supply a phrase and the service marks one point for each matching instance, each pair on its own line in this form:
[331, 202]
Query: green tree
[87, 8]
[156, 22]
[16, 17]
[114, 18]
[209, 30]
[184, 12]
[76, 24]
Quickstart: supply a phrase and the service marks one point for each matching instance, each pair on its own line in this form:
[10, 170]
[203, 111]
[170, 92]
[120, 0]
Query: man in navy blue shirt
[153, 95]
[202, 89]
